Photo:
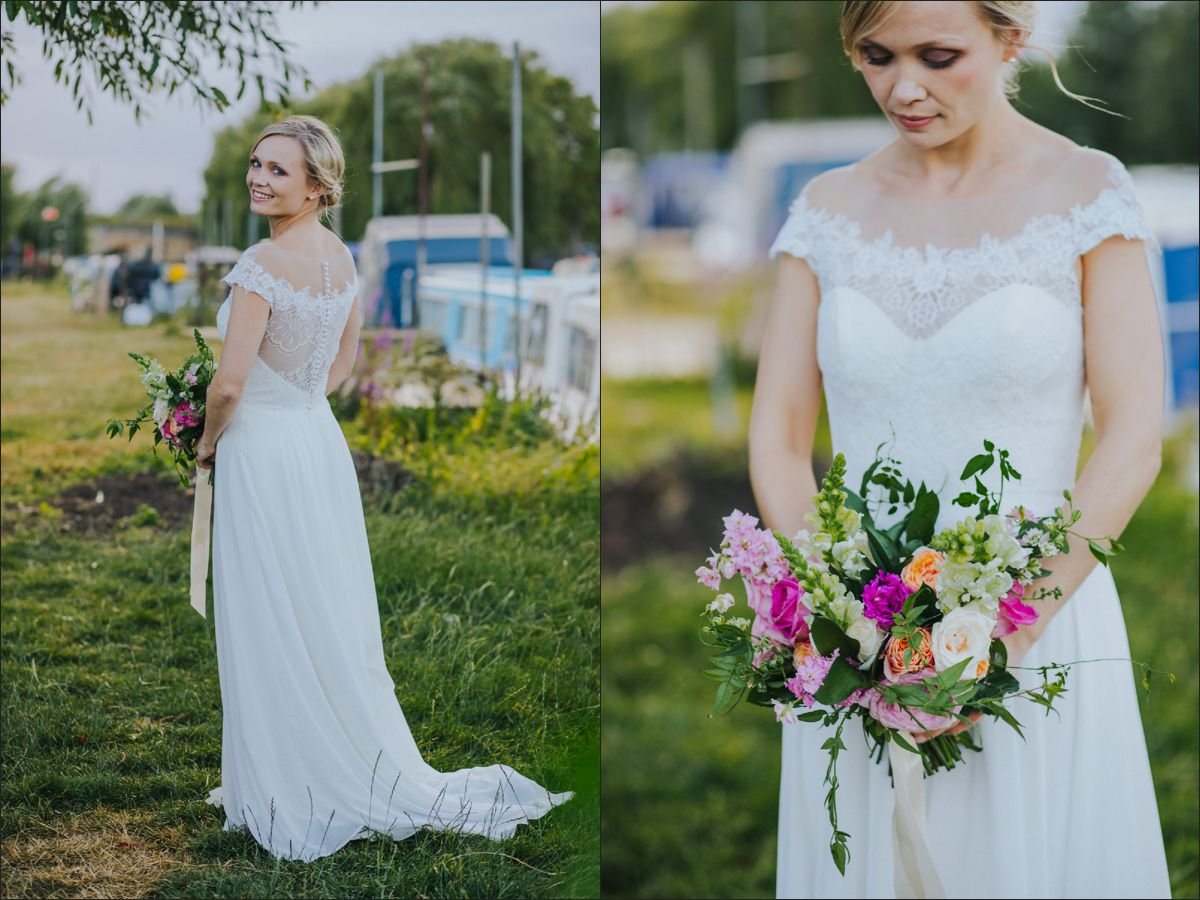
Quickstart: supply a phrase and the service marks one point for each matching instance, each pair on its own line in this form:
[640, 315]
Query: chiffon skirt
[1068, 812]
[315, 747]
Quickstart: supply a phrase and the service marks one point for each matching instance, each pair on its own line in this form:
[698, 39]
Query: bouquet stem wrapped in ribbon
[899, 627]
[176, 408]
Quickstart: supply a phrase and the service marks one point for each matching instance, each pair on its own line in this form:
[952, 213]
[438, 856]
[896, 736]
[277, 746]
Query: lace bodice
[943, 347]
[304, 328]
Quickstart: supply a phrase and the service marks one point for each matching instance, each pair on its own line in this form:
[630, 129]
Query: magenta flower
[884, 597]
[1013, 613]
[787, 613]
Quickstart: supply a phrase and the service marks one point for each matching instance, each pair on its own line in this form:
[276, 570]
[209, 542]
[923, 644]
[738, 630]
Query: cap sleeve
[798, 235]
[252, 277]
[1114, 212]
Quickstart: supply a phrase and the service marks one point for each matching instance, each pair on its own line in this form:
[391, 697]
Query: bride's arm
[347, 355]
[1123, 360]
[787, 400]
[248, 314]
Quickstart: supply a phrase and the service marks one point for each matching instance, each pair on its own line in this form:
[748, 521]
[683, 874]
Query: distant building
[173, 243]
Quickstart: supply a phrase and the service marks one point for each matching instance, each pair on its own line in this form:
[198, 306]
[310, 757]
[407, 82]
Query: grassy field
[690, 803]
[112, 723]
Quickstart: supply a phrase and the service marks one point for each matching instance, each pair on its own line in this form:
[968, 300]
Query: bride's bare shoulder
[841, 190]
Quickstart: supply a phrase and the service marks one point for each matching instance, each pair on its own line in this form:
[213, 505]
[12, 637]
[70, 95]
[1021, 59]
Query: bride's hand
[206, 453]
[1018, 643]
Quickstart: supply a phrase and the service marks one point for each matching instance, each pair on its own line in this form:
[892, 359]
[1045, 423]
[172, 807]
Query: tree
[136, 48]
[23, 214]
[147, 206]
[470, 108]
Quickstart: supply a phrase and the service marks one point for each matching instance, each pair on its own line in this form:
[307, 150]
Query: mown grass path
[111, 734]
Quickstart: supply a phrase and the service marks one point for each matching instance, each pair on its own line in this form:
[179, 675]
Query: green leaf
[980, 463]
[899, 739]
[1099, 552]
[826, 637]
[1010, 719]
[999, 651]
[966, 498]
[814, 715]
[924, 602]
[923, 518]
[841, 855]
[842, 681]
[883, 550]
[10, 9]
[990, 447]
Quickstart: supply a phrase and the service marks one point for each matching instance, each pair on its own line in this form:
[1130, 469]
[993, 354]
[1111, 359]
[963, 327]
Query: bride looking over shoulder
[979, 277]
[315, 749]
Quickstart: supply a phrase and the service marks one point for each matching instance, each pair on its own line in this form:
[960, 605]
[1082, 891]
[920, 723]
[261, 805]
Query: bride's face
[277, 179]
[935, 69]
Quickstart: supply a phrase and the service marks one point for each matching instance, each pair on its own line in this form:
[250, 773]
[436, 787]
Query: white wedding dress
[315, 747]
[943, 334]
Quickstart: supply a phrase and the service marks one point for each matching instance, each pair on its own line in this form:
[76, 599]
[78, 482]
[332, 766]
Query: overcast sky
[42, 134]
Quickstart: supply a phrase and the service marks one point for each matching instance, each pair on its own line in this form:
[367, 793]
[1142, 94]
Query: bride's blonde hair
[324, 162]
[1011, 22]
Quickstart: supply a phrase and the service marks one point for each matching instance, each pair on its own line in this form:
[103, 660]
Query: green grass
[690, 803]
[112, 721]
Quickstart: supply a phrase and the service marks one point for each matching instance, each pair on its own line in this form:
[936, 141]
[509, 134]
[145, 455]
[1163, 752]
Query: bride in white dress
[979, 277]
[315, 748]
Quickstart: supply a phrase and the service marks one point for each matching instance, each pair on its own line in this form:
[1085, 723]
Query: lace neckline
[281, 282]
[1035, 227]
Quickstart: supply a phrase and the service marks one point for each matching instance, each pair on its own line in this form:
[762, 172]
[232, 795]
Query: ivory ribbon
[201, 514]
[915, 874]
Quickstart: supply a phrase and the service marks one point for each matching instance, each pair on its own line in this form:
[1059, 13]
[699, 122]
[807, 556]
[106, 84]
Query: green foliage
[22, 214]
[144, 207]
[470, 108]
[138, 48]
[1139, 60]
[652, 52]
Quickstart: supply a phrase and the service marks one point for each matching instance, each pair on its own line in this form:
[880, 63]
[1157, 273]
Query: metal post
[485, 206]
[377, 155]
[517, 214]
[422, 185]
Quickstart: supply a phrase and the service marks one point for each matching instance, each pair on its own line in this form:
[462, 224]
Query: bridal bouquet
[898, 626]
[176, 405]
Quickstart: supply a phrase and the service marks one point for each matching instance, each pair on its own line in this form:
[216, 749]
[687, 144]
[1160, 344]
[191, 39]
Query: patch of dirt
[107, 502]
[674, 507]
[91, 855]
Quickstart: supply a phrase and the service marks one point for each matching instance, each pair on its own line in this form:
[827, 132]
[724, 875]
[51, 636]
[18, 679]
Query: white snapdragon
[1002, 546]
[161, 410]
[851, 555]
[721, 604]
[964, 582]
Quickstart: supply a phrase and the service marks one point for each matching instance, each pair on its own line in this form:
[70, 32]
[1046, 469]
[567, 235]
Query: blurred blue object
[678, 183]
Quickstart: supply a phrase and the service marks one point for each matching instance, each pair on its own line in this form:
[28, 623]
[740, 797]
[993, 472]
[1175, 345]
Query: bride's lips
[915, 122]
[258, 197]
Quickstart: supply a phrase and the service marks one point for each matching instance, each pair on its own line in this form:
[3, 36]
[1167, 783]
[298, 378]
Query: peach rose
[923, 569]
[920, 658]
[963, 634]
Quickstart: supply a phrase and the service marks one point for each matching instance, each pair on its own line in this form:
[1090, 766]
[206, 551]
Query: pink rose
[1013, 614]
[787, 612]
[908, 719]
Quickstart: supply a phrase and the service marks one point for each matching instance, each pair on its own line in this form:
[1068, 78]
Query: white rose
[868, 636]
[964, 633]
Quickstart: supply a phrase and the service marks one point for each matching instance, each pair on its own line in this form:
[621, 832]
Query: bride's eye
[876, 57]
[940, 59]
